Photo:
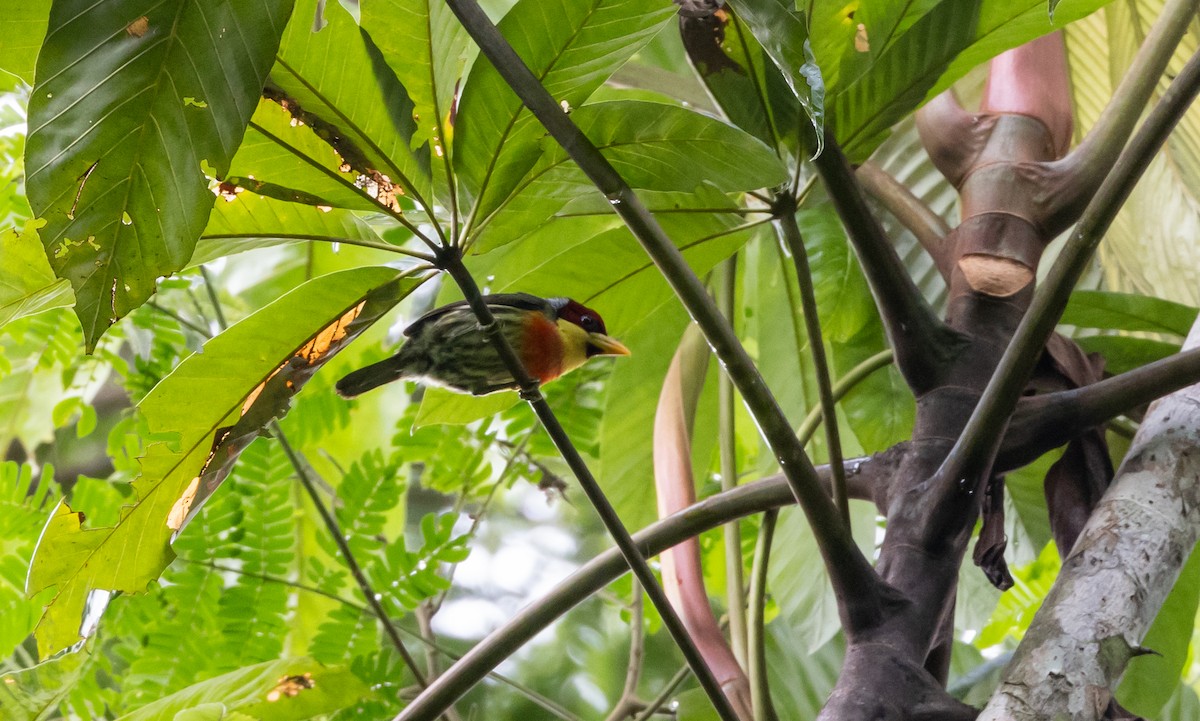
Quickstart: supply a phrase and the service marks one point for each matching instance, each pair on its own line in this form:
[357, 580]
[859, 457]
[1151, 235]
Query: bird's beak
[604, 345]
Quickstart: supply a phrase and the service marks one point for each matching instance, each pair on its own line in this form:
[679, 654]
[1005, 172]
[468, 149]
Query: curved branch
[921, 340]
[929, 227]
[1047, 421]
[863, 474]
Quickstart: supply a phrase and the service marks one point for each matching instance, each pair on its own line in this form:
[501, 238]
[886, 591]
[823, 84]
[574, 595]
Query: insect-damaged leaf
[133, 99]
[202, 416]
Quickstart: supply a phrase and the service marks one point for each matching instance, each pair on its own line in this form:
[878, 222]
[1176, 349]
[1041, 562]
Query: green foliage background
[254, 589]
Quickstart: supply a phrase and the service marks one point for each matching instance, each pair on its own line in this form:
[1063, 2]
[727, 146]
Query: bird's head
[583, 332]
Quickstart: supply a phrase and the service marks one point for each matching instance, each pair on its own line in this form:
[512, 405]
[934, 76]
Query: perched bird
[446, 347]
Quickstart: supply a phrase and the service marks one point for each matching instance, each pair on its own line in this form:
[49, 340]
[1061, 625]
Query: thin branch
[727, 442]
[760, 693]
[1081, 172]
[969, 461]
[844, 385]
[790, 233]
[627, 703]
[929, 227]
[180, 319]
[335, 531]
[212, 297]
[661, 699]
[850, 572]
[1047, 421]
[608, 566]
[921, 340]
[451, 260]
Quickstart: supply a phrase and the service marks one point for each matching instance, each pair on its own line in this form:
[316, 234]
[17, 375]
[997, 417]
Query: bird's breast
[541, 348]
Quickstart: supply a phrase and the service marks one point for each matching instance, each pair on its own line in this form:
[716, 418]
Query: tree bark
[1116, 577]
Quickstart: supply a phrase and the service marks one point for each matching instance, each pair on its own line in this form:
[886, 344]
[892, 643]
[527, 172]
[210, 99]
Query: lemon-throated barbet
[446, 346]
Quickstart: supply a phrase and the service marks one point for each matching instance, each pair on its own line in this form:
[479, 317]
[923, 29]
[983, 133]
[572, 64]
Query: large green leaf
[27, 284]
[24, 28]
[284, 690]
[201, 417]
[653, 146]
[425, 45]
[799, 580]
[254, 221]
[1150, 680]
[783, 33]
[1147, 250]
[1126, 311]
[1124, 353]
[339, 76]
[133, 99]
[572, 46]
[900, 60]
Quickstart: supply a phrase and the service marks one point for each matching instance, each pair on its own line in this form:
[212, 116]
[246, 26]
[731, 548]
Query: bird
[446, 346]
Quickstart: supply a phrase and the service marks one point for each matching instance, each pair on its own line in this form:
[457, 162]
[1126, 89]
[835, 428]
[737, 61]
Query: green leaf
[843, 298]
[339, 76]
[652, 145]
[425, 45]
[799, 581]
[24, 28]
[439, 406]
[572, 46]
[284, 690]
[1127, 311]
[1150, 680]
[783, 33]
[251, 221]
[201, 416]
[800, 680]
[1122, 353]
[27, 284]
[116, 150]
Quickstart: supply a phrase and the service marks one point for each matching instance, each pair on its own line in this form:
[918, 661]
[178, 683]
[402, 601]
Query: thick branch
[1081, 172]
[929, 227]
[1043, 422]
[969, 461]
[863, 475]
[850, 572]
[1116, 577]
[919, 337]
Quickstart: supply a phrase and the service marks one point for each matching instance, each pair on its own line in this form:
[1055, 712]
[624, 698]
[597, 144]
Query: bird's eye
[588, 322]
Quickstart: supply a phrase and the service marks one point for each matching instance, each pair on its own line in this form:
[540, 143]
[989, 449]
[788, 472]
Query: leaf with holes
[202, 416]
[133, 100]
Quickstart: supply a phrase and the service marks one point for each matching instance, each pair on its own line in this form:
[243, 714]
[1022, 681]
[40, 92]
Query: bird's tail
[373, 376]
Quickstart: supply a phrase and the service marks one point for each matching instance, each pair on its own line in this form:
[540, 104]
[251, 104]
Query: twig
[335, 531]
[212, 297]
[844, 385]
[180, 319]
[633, 673]
[327, 239]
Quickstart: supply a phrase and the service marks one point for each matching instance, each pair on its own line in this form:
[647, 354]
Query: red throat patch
[542, 348]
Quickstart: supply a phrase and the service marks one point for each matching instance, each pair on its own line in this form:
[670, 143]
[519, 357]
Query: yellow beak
[606, 345]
